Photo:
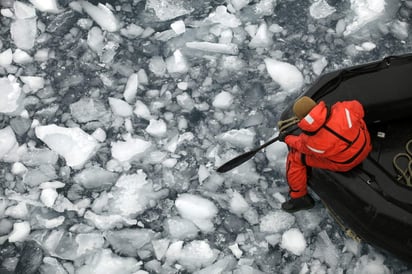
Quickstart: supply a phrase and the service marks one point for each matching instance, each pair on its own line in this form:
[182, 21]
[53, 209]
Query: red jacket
[338, 134]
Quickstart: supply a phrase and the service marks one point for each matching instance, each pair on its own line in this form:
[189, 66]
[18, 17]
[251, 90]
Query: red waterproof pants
[296, 170]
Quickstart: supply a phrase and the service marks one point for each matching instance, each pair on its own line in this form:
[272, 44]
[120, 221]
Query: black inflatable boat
[374, 200]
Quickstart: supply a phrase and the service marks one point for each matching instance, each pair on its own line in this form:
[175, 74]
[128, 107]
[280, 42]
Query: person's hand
[282, 135]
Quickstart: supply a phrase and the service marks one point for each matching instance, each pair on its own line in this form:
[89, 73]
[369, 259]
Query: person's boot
[293, 205]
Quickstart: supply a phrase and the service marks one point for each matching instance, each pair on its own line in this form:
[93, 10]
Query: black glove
[282, 135]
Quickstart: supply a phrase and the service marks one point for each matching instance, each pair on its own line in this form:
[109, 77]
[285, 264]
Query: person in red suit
[334, 138]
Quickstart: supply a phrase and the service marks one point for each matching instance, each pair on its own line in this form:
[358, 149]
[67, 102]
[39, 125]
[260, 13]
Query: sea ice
[180, 228]
[73, 144]
[223, 100]
[20, 232]
[177, 64]
[237, 204]
[178, 26]
[131, 241]
[262, 38]
[167, 9]
[21, 57]
[130, 90]
[120, 107]
[293, 241]
[88, 109]
[365, 11]
[102, 15]
[48, 196]
[321, 9]
[221, 16]
[197, 254]
[95, 178]
[286, 75]
[46, 5]
[130, 149]
[11, 95]
[32, 83]
[197, 209]
[8, 142]
[276, 221]
[229, 48]
[157, 128]
[142, 110]
[24, 32]
[242, 138]
[6, 58]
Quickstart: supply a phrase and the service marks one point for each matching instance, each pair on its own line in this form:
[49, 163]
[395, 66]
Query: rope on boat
[404, 173]
[284, 124]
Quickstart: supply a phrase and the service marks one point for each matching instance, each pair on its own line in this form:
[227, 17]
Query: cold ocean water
[113, 119]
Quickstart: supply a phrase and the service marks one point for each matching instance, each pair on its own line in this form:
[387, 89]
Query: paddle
[237, 161]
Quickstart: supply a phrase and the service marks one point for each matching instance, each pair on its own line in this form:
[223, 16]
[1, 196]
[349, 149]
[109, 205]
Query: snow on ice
[113, 117]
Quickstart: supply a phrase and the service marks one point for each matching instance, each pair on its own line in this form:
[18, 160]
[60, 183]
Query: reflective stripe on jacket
[338, 134]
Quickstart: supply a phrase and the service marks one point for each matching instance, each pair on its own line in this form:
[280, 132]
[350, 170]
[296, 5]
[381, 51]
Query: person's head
[303, 106]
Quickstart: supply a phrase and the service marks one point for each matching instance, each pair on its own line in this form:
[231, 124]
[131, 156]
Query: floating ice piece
[23, 10]
[239, 4]
[95, 178]
[223, 100]
[132, 195]
[277, 221]
[224, 18]
[157, 65]
[400, 29]
[46, 5]
[95, 39]
[321, 9]
[238, 205]
[371, 264]
[6, 13]
[365, 11]
[8, 142]
[120, 107]
[24, 29]
[185, 101]
[10, 94]
[20, 232]
[102, 15]
[168, 9]
[241, 138]
[88, 109]
[177, 63]
[48, 196]
[181, 229]
[160, 247]
[229, 48]
[197, 209]
[319, 65]
[178, 27]
[157, 128]
[19, 211]
[73, 144]
[293, 241]
[286, 75]
[6, 58]
[262, 38]
[21, 57]
[34, 83]
[131, 149]
[130, 90]
[107, 222]
[130, 241]
[104, 261]
[142, 111]
[197, 254]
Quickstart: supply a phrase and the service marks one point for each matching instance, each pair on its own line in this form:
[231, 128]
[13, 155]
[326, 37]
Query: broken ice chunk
[95, 39]
[104, 261]
[6, 57]
[21, 57]
[167, 9]
[197, 254]
[223, 100]
[20, 232]
[24, 32]
[48, 196]
[8, 141]
[131, 149]
[241, 138]
[102, 15]
[130, 90]
[276, 221]
[106, 222]
[365, 11]
[197, 209]
[181, 229]
[34, 83]
[177, 63]
[224, 18]
[157, 128]
[319, 65]
[129, 242]
[120, 107]
[178, 27]
[293, 241]
[133, 194]
[88, 109]
[23, 10]
[73, 144]
[10, 94]
[142, 111]
[321, 9]
[286, 75]
[46, 5]
[262, 38]
[95, 178]
[228, 48]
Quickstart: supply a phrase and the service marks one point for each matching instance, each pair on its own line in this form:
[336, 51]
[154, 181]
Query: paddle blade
[237, 161]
